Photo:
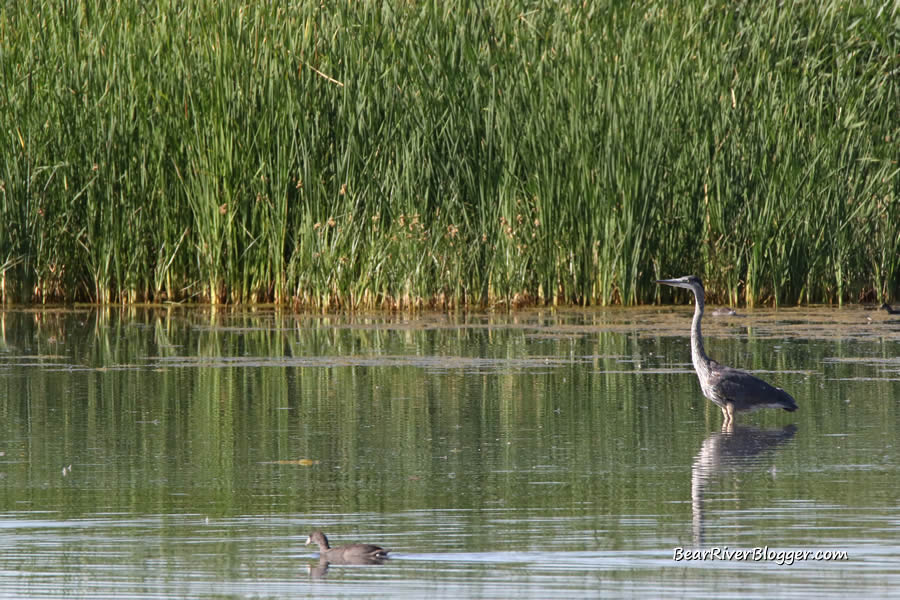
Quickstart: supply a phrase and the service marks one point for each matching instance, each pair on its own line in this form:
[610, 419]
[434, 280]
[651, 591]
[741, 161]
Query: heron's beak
[672, 282]
[308, 541]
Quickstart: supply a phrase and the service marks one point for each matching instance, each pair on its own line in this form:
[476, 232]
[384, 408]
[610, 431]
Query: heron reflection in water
[730, 389]
[741, 449]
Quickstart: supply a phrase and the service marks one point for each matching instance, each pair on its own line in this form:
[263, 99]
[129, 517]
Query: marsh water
[170, 452]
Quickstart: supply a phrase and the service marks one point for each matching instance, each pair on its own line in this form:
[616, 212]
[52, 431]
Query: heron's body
[730, 389]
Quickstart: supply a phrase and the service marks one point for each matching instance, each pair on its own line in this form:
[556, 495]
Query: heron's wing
[740, 387]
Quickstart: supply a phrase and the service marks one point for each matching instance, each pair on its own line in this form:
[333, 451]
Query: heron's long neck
[698, 356]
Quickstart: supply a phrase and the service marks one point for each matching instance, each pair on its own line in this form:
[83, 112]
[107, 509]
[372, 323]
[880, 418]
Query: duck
[349, 554]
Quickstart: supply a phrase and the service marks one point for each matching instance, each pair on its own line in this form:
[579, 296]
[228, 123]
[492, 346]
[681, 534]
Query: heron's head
[690, 282]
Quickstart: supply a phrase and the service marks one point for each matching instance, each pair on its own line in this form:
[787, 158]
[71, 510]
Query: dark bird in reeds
[887, 308]
[730, 389]
[352, 554]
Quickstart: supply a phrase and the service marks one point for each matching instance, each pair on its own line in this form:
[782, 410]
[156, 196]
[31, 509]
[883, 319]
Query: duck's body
[730, 389]
[349, 554]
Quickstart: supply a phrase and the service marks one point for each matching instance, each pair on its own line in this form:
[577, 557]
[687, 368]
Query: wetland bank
[545, 453]
[364, 155]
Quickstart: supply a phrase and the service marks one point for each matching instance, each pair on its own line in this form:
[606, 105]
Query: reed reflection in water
[544, 454]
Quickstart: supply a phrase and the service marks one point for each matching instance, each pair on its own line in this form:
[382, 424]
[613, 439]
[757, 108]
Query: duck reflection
[320, 569]
[734, 449]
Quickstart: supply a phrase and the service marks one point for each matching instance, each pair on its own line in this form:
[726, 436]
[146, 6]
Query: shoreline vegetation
[353, 155]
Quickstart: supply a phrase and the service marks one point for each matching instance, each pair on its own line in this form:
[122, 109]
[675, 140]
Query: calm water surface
[153, 453]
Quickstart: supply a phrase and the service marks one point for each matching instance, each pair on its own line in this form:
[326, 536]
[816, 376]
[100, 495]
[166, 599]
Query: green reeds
[359, 154]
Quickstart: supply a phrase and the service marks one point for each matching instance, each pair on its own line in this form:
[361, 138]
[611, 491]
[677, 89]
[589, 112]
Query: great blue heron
[890, 311]
[732, 390]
